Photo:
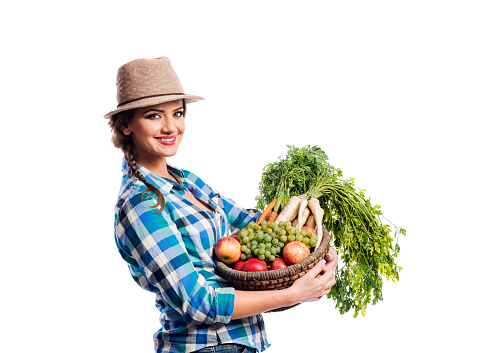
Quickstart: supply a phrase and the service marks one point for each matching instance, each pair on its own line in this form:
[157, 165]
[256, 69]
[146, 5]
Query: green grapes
[266, 241]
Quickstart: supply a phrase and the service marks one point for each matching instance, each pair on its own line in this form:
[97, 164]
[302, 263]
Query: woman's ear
[125, 130]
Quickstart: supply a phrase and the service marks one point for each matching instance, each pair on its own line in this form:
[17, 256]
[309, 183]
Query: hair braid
[126, 144]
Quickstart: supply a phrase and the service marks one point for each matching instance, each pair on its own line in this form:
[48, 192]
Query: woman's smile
[167, 140]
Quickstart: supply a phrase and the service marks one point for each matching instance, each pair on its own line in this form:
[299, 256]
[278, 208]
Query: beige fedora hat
[145, 82]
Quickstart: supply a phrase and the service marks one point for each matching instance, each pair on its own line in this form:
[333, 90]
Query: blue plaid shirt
[170, 254]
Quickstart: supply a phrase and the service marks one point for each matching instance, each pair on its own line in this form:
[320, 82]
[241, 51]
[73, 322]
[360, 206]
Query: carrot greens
[291, 176]
[367, 246]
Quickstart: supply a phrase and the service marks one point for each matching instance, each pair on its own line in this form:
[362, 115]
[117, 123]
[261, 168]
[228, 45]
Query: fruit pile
[269, 245]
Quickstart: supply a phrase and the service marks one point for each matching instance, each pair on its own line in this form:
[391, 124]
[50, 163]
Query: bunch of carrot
[303, 187]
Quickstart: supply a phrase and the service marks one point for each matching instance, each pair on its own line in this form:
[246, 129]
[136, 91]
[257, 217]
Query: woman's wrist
[248, 303]
[290, 296]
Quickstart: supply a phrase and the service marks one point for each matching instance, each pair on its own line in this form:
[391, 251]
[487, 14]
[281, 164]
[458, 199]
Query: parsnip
[318, 213]
[294, 223]
[290, 210]
[311, 222]
[305, 213]
[303, 205]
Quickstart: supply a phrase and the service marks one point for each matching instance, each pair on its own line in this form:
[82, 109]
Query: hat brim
[146, 102]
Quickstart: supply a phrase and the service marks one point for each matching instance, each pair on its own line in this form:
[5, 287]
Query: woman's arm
[152, 244]
[311, 287]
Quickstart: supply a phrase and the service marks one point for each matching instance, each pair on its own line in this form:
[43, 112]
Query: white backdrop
[394, 92]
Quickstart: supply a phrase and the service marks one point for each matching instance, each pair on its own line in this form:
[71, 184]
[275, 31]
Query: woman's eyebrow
[160, 111]
[153, 110]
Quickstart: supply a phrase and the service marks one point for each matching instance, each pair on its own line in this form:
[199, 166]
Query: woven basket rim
[318, 254]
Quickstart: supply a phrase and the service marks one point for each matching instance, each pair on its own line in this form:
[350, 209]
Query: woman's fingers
[317, 282]
[332, 259]
[329, 266]
[317, 269]
[331, 256]
[328, 279]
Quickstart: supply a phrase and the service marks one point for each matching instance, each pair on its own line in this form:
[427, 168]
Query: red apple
[235, 237]
[313, 230]
[294, 252]
[239, 265]
[255, 265]
[228, 250]
[278, 263]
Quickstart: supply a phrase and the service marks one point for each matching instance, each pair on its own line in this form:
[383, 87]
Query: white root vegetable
[318, 213]
[303, 206]
[294, 223]
[290, 210]
[311, 222]
[305, 213]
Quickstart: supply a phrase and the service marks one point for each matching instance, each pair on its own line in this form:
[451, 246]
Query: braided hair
[126, 144]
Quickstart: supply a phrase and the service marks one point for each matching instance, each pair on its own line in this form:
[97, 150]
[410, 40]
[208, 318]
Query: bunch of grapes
[266, 241]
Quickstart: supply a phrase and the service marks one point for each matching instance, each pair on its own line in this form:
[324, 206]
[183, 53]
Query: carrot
[318, 213]
[273, 216]
[266, 211]
[290, 210]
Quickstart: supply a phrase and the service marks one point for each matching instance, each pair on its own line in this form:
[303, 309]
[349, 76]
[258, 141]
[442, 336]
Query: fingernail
[322, 261]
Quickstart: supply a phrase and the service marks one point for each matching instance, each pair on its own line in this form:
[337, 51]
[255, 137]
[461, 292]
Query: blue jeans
[227, 348]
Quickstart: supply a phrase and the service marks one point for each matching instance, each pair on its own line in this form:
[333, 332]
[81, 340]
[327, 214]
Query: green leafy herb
[292, 175]
[360, 236]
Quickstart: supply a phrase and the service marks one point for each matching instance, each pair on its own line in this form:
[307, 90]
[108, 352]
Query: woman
[167, 222]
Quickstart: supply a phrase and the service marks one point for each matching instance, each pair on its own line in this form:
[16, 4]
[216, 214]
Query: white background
[395, 92]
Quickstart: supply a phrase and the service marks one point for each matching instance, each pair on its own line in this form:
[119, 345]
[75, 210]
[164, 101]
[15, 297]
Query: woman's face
[157, 131]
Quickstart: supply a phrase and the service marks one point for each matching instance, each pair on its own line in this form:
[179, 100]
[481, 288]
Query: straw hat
[145, 82]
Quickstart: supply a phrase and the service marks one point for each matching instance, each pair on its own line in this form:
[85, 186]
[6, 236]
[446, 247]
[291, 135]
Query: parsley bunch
[292, 175]
[362, 240]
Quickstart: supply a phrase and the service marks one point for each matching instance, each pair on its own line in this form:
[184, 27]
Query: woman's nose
[168, 124]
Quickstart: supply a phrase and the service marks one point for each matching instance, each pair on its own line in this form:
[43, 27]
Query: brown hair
[125, 143]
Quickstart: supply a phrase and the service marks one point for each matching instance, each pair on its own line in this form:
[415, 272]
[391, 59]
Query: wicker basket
[275, 279]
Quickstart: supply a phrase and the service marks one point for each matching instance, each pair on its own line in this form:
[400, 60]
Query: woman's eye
[153, 116]
[179, 114]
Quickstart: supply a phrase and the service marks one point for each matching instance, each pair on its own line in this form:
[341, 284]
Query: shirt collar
[161, 183]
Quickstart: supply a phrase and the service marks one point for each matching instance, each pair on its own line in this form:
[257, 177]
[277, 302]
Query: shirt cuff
[224, 304]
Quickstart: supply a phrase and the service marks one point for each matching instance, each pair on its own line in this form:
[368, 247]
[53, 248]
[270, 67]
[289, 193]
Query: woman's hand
[318, 281]
[311, 287]
[332, 257]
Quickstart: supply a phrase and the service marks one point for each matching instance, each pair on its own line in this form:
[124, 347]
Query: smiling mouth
[167, 140]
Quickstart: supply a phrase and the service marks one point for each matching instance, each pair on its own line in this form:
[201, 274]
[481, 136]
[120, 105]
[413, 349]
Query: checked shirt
[170, 254]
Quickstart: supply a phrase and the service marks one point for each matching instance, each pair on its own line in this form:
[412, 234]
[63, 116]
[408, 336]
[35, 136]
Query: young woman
[167, 222]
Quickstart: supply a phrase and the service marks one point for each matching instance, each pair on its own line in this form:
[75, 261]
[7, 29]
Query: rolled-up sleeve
[237, 216]
[160, 263]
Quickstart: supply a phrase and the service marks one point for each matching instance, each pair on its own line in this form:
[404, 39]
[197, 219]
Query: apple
[278, 263]
[228, 250]
[294, 252]
[255, 265]
[239, 265]
[313, 230]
